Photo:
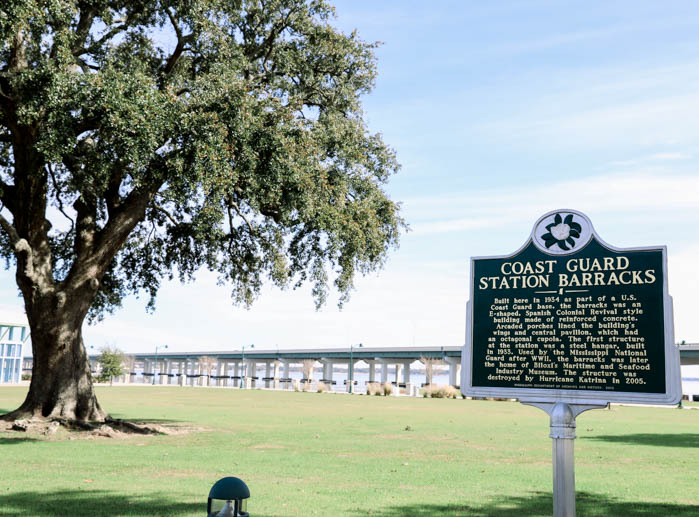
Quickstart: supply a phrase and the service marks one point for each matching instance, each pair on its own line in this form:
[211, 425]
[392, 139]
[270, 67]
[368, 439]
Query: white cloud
[640, 193]
[397, 308]
[656, 157]
[643, 122]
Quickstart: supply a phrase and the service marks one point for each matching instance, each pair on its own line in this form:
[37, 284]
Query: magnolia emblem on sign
[562, 232]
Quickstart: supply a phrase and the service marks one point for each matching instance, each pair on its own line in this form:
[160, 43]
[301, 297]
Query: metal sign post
[569, 323]
[562, 426]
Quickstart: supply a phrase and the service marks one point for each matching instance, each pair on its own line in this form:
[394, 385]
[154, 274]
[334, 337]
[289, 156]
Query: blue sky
[498, 112]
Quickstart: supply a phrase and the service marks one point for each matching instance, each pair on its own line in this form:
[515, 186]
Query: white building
[13, 337]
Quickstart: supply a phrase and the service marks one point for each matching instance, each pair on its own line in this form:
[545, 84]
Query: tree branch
[96, 44]
[264, 49]
[182, 41]
[7, 195]
[78, 51]
[230, 225]
[112, 236]
[82, 31]
[86, 124]
[18, 52]
[21, 247]
[9, 230]
[4, 87]
[58, 195]
[165, 213]
[85, 227]
[99, 247]
[273, 35]
[111, 196]
[234, 205]
[85, 66]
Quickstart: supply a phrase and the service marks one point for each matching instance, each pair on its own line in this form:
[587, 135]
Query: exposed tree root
[130, 427]
[110, 428]
[97, 415]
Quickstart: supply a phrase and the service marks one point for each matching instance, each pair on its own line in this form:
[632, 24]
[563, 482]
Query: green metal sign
[571, 317]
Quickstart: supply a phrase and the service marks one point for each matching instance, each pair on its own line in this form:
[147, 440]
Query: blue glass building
[12, 339]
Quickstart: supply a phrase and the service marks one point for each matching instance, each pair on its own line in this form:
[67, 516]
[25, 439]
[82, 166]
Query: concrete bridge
[238, 368]
[689, 354]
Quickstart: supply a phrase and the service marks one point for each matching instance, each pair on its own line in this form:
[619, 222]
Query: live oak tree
[146, 139]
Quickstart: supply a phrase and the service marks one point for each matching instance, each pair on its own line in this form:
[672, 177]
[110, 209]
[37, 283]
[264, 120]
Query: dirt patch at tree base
[73, 429]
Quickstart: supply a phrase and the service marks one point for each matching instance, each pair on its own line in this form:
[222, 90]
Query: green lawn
[336, 455]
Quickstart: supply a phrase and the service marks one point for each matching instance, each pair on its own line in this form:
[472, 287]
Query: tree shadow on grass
[119, 416]
[145, 421]
[686, 440]
[100, 503]
[540, 504]
[15, 440]
[95, 503]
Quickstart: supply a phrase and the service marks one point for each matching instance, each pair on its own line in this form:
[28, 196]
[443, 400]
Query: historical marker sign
[569, 317]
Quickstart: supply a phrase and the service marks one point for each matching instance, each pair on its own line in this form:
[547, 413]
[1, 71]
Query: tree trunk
[61, 385]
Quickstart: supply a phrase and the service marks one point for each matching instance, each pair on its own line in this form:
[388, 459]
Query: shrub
[378, 389]
[374, 388]
[387, 389]
[440, 392]
[451, 392]
[448, 392]
[428, 390]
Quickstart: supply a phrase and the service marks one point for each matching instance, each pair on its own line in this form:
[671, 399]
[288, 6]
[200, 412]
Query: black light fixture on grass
[228, 498]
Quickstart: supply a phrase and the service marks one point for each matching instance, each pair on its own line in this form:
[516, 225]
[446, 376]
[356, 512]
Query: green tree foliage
[141, 139]
[111, 361]
[240, 142]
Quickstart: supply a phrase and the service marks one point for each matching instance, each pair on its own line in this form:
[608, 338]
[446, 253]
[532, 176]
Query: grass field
[336, 455]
